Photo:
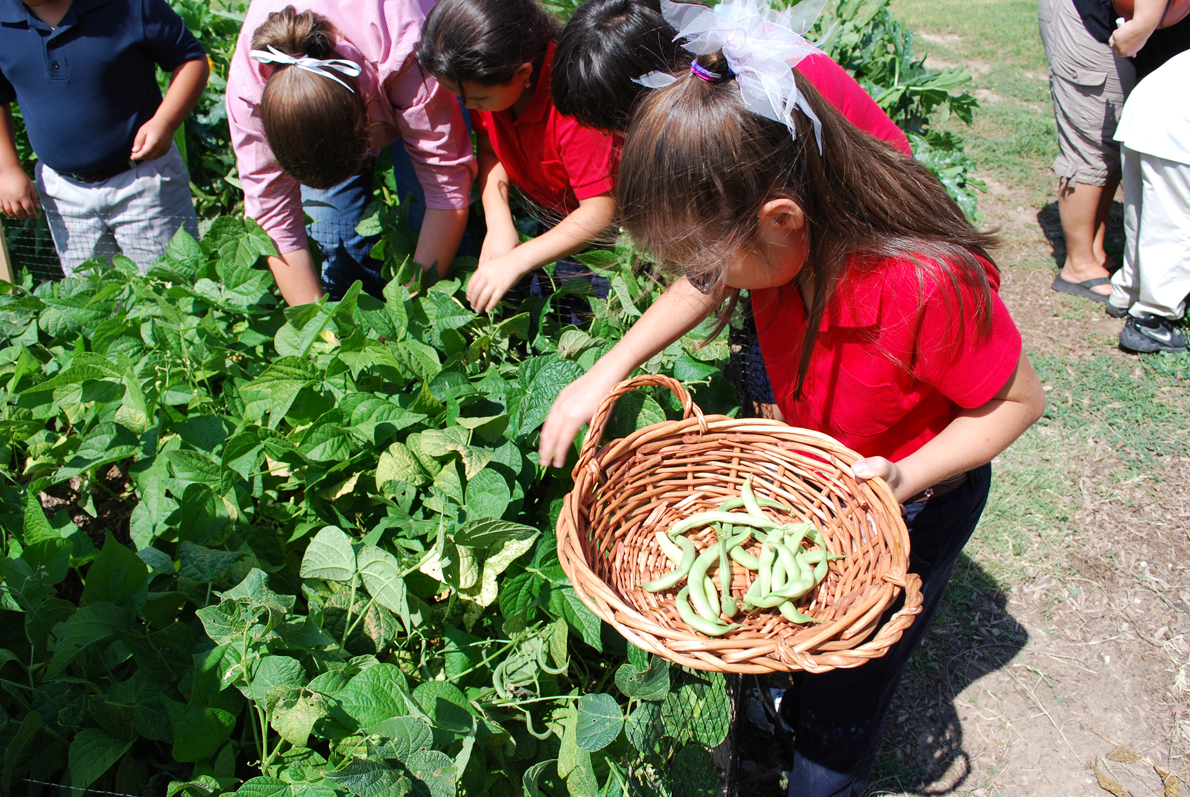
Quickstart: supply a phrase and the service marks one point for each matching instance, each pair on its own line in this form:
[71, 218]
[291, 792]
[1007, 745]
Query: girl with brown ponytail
[875, 301]
[311, 96]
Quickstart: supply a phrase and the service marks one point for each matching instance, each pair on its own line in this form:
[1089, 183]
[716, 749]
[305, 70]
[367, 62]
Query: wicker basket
[629, 489]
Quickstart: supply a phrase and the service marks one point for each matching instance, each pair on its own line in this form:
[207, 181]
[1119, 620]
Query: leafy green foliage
[332, 554]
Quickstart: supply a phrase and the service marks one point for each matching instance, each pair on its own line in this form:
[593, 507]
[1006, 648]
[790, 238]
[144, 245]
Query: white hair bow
[316, 65]
[762, 46]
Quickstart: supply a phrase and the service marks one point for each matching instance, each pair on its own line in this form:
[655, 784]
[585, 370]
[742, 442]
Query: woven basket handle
[603, 414]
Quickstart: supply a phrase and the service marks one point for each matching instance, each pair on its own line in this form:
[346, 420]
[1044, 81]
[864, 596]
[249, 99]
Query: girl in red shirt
[877, 311]
[496, 55]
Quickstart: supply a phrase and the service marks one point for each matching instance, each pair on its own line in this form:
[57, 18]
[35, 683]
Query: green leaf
[93, 752]
[294, 716]
[436, 770]
[599, 722]
[407, 735]
[542, 774]
[329, 556]
[225, 622]
[446, 706]
[699, 709]
[543, 390]
[488, 495]
[564, 602]
[644, 728]
[107, 443]
[91, 624]
[264, 787]
[194, 466]
[376, 694]
[381, 574]
[399, 465]
[694, 767]
[254, 589]
[204, 564]
[652, 684]
[368, 778]
[36, 527]
[198, 732]
[116, 575]
[275, 673]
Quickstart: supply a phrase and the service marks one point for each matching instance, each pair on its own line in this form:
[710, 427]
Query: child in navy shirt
[85, 75]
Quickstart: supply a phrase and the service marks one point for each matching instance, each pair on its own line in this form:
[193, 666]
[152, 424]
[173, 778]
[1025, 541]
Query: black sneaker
[1151, 333]
[1115, 312]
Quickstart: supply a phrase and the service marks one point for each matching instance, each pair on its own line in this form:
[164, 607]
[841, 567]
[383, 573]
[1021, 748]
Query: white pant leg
[1125, 283]
[148, 205]
[1163, 240]
[75, 215]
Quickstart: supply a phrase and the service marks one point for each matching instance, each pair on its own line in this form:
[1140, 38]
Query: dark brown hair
[697, 169]
[607, 45]
[484, 41]
[317, 129]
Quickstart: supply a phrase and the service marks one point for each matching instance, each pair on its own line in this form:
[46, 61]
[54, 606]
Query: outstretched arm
[185, 88]
[973, 438]
[680, 309]
[497, 274]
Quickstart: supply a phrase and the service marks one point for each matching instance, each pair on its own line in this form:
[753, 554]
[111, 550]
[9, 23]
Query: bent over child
[876, 305]
[85, 75]
[497, 55]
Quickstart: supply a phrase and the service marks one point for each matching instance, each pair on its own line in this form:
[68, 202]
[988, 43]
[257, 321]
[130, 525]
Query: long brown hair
[317, 129]
[697, 168]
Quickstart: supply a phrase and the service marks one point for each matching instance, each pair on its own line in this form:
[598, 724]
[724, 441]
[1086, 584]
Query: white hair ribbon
[316, 65]
[762, 46]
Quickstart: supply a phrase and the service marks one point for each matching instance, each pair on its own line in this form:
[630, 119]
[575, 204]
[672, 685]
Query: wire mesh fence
[51, 245]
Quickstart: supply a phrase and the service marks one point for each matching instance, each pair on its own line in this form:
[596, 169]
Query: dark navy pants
[837, 716]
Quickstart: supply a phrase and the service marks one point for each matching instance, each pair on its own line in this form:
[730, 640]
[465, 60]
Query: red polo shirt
[552, 158]
[849, 98]
[894, 360]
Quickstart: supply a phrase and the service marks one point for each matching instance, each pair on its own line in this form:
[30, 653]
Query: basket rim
[857, 625]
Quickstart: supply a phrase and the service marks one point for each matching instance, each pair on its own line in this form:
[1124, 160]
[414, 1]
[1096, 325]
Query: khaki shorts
[1089, 84]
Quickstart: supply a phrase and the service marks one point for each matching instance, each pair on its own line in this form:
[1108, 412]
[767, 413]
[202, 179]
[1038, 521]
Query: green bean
[670, 580]
[793, 615]
[708, 588]
[794, 533]
[738, 503]
[707, 518]
[765, 575]
[744, 558]
[725, 570]
[779, 571]
[819, 560]
[672, 551]
[750, 499]
[698, 597]
[690, 618]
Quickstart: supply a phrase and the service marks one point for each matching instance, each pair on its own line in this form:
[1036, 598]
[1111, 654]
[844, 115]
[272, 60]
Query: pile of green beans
[785, 569]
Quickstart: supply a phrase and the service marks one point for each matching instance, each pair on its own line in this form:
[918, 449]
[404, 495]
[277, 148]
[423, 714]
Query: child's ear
[782, 214]
[523, 73]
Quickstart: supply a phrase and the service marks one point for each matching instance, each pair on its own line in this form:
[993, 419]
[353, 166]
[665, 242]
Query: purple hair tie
[698, 70]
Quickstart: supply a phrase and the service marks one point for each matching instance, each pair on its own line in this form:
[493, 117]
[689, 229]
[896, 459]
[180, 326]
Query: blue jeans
[837, 716]
[346, 255]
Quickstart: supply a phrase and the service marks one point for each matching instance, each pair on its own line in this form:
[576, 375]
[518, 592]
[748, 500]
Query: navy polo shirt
[86, 86]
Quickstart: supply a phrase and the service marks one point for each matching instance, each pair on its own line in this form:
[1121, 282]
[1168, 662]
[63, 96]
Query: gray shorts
[1089, 84]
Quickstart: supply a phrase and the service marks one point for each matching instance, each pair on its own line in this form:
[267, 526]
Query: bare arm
[296, 277]
[497, 274]
[1131, 37]
[502, 236]
[18, 195]
[680, 309]
[185, 88]
[438, 241]
[973, 438]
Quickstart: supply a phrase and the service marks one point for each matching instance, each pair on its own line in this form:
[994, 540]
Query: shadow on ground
[922, 749]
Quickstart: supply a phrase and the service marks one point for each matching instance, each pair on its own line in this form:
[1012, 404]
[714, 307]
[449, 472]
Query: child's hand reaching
[152, 141]
[873, 467]
[18, 195]
[499, 241]
[493, 279]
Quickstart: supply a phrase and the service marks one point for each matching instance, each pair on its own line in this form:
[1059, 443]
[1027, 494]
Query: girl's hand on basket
[873, 467]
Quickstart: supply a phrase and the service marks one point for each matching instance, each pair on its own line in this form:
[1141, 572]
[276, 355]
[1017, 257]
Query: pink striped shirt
[380, 36]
